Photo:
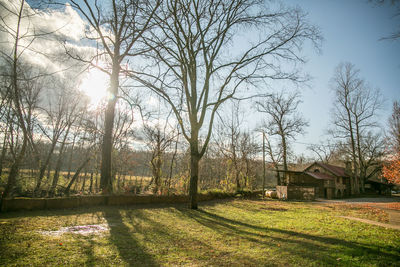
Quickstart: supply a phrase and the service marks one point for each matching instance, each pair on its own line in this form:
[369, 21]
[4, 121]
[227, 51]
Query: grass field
[221, 233]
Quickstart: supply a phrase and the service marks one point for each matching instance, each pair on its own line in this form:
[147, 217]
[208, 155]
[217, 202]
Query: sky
[352, 31]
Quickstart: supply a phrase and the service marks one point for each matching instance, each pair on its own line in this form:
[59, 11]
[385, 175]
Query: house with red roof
[336, 179]
[319, 180]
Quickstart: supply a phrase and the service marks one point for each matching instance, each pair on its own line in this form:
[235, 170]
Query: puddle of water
[93, 229]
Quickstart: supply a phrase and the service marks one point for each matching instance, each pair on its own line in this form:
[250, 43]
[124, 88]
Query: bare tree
[248, 152]
[12, 17]
[56, 122]
[228, 137]
[354, 116]
[275, 153]
[393, 136]
[87, 147]
[117, 29]
[283, 119]
[6, 114]
[158, 139]
[70, 110]
[201, 68]
[326, 151]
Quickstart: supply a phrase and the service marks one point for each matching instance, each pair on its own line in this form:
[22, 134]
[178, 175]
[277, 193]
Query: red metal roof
[320, 175]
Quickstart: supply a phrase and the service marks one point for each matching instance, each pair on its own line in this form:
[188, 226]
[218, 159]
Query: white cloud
[42, 33]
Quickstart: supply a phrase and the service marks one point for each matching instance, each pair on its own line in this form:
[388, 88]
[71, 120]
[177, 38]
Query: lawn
[236, 232]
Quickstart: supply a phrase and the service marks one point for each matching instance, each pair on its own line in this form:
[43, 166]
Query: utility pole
[263, 149]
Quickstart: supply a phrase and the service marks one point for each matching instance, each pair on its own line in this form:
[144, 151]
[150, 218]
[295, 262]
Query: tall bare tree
[56, 121]
[228, 135]
[117, 28]
[201, 64]
[283, 119]
[354, 116]
[393, 136]
[158, 139]
[15, 27]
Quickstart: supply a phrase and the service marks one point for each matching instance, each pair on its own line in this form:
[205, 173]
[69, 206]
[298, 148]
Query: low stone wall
[16, 204]
[296, 192]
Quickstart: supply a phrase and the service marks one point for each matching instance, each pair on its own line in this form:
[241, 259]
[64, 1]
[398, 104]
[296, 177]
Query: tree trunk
[106, 163]
[119, 182]
[194, 177]
[14, 170]
[284, 148]
[70, 156]
[12, 177]
[96, 183]
[44, 167]
[3, 152]
[54, 183]
[78, 171]
[91, 183]
[84, 182]
[59, 162]
[172, 165]
[237, 181]
[5, 136]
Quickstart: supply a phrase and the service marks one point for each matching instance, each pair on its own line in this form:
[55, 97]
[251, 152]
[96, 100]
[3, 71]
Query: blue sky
[351, 30]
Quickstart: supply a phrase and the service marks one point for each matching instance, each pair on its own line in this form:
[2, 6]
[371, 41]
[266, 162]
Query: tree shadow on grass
[318, 247]
[130, 250]
[181, 246]
[87, 244]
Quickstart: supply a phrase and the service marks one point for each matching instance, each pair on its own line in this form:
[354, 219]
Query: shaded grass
[220, 233]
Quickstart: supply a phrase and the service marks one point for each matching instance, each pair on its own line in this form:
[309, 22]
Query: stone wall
[111, 200]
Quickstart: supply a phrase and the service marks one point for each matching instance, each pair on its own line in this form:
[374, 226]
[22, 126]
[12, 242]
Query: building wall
[302, 179]
[295, 192]
[340, 186]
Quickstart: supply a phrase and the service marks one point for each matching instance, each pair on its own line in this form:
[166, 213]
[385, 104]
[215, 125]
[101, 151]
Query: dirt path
[377, 202]
[386, 225]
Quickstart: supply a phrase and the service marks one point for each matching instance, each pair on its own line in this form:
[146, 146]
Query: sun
[94, 85]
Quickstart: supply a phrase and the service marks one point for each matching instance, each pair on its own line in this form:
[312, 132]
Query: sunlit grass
[224, 233]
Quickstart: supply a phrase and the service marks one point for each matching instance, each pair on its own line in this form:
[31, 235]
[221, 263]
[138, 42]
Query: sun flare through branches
[94, 85]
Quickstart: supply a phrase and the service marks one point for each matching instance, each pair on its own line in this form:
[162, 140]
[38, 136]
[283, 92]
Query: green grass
[221, 233]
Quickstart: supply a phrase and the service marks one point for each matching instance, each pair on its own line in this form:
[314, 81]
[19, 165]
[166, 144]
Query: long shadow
[130, 250]
[264, 239]
[81, 210]
[101, 208]
[212, 220]
[170, 238]
[87, 244]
